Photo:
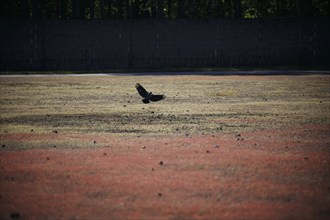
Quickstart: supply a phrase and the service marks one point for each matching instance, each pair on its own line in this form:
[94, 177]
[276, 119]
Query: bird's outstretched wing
[155, 98]
[141, 90]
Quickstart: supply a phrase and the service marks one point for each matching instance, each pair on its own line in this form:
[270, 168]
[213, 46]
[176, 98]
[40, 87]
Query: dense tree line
[162, 9]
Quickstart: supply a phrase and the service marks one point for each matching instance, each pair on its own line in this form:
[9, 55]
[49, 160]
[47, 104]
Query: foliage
[162, 9]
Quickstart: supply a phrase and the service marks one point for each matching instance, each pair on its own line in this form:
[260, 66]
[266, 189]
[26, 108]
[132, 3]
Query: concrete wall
[109, 45]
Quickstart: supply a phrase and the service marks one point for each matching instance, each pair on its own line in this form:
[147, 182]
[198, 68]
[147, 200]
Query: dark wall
[109, 45]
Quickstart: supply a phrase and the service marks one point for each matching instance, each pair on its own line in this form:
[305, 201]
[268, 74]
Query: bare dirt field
[218, 147]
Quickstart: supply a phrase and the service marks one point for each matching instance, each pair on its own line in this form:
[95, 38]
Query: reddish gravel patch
[268, 174]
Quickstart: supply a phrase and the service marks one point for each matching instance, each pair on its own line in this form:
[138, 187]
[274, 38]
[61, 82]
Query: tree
[120, 9]
[91, 9]
[237, 8]
[159, 9]
[37, 6]
[305, 8]
[181, 11]
[136, 10]
[25, 10]
[169, 8]
[219, 8]
[102, 9]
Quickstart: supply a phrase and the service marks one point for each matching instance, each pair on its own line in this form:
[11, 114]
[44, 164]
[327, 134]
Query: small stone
[217, 146]
[160, 195]
[144, 147]
[3, 145]
[55, 131]
[152, 169]
[208, 151]
[54, 146]
[47, 158]
[31, 130]
[104, 154]
[306, 158]
[161, 163]
[14, 215]
[94, 142]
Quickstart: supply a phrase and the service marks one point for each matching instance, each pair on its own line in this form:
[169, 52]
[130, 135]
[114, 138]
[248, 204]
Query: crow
[148, 96]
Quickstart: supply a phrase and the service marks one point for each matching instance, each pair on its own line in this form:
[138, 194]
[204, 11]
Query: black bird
[148, 96]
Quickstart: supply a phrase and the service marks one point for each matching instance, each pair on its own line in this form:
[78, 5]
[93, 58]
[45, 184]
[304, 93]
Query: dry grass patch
[194, 104]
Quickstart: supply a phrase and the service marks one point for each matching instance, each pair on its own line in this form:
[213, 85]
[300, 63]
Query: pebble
[14, 215]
